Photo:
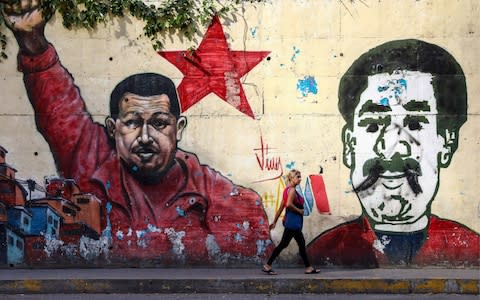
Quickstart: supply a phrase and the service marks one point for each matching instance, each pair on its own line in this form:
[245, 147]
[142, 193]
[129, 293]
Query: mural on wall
[66, 220]
[271, 165]
[268, 163]
[214, 68]
[316, 192]
[125, 191]
[404, 103]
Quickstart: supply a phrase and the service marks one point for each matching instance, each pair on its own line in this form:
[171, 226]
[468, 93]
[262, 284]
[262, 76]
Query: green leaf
[173, 17]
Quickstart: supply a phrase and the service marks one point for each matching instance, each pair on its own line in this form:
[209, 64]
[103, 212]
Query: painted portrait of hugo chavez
[403, 103]
[181, 211]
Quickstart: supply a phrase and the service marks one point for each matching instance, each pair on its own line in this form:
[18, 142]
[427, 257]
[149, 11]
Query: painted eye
[372, 128]
[159, 124]
[414, 125]
[131, 123]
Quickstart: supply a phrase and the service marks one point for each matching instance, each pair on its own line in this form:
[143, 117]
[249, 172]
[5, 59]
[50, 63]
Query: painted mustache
[145, 153]
[374, 168]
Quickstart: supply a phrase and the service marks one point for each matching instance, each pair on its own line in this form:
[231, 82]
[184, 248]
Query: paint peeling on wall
[177, 245]
[212, 247]
[262, 246]
[90, 249]
[52, 245]
[233, 89]
[381, 243]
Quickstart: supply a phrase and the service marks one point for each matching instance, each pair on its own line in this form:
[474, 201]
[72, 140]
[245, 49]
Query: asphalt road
[239, 297]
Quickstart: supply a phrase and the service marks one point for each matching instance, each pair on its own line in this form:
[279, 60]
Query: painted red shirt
[194, 215]
[353, 244]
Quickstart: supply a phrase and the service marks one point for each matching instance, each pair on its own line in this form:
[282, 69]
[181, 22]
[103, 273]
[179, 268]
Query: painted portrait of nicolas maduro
[403, 103]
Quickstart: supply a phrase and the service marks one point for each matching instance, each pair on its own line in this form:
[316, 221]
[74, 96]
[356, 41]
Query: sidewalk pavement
[243, 280]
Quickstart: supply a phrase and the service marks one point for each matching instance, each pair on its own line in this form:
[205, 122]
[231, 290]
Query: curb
[243, 286]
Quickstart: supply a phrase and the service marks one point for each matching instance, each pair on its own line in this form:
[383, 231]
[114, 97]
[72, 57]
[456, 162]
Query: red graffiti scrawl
[214, 68]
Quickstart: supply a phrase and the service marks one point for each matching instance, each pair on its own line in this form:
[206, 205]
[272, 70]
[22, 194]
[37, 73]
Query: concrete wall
[288, 118]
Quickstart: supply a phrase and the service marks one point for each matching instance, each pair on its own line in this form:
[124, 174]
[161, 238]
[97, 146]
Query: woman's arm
[290, 205]
[277, 215]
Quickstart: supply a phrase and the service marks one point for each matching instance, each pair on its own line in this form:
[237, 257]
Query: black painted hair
[145, 85]
[414, 55]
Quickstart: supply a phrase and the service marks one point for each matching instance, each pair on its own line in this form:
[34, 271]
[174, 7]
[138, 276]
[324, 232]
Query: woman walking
[293, 223]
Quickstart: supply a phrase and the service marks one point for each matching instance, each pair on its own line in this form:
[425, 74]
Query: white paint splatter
[176, 239]
[380, 244]
[140, 233]
[90, 248]
[142, 243]
[214, 252]
[119, 235]
[51, 245]
[212, 246]
[69, 250]
[234, 192]
[262, 246]
[153, 228]
[238, 237]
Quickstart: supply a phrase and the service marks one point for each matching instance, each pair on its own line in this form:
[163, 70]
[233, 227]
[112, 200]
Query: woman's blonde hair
[291, 175]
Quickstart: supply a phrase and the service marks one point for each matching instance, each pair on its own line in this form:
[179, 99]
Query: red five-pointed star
[213, 67]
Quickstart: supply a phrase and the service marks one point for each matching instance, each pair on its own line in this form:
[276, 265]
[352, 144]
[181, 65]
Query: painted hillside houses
[42, 229]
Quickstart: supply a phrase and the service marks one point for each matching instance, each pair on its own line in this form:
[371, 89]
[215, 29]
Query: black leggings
[288, 234]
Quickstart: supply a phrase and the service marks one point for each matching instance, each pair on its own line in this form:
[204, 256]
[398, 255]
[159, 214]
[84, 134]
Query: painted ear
[110, 124]
[450, 144]
[349, 143]
[181, 124]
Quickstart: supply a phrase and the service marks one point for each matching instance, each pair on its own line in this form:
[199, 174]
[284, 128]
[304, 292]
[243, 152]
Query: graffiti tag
[267, 162]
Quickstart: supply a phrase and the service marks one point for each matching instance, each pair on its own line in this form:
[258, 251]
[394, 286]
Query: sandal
[314, 271]
[269, 272]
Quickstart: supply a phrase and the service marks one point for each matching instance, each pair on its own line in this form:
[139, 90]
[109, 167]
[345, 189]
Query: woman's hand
[272, 226]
